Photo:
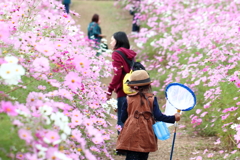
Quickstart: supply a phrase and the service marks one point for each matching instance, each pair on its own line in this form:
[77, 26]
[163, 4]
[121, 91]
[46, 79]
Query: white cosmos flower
[104, 105]
[60, 120]
[19, 70]
[11, 59]
[63, 136]
[7, 71]
[11, 72]
[57, 142]
[61, 156]
[45, 110]
[12, 81]
[47, 120]
[234, 126]
[66, 129]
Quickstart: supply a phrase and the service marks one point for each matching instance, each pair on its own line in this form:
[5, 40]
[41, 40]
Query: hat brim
[139, 84]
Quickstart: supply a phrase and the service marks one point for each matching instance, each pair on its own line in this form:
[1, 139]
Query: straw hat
[139, 78]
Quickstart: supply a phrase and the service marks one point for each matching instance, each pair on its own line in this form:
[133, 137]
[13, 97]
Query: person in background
[139, 112]
[66, 3]
[119, 42]
[134, 12]
[94, 30]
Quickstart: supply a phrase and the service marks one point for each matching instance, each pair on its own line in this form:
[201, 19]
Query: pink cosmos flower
[34, 97]
[89, 155]
[237, 136]
[106, 137]
[218, 141]
[41, 64]
[52, 137]
[25, 135]
[199, 158]
[66, 94]
[206, 106]
[225, 116]
[237, 83]
[95, 149]
[221, 152]
[205, 151]
[73, 81]
[234, 151]
[17, 123]
[225, 156]
[76, 121]
[20, 156]
[205, 69]
[2, 61]
[198, 111]
[81, 63]
[203, 114]
[51, 153]
[230, 109]
[118, 127]
[4, 32]
[47, 48]
[32, 157]
[210, 155]
[76, 113]
[8, 108]
[41, 87]
[22, 109]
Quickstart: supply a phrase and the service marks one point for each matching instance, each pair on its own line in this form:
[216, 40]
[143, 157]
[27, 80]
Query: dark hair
[121, 40]
[143, 89]
[95, 18]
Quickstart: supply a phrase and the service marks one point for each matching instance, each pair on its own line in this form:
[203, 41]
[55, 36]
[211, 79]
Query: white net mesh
[180, 97]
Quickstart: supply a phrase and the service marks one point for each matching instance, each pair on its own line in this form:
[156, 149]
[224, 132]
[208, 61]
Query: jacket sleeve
[124, 114]
[158, 114]
[117, 65]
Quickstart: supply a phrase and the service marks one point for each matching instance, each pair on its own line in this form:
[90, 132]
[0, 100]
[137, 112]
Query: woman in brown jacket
[139, 112]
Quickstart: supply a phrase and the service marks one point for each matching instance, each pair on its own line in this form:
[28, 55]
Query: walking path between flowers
[115, 19]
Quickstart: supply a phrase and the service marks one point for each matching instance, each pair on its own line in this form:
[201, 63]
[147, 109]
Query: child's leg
[131, 155]
[144, 155]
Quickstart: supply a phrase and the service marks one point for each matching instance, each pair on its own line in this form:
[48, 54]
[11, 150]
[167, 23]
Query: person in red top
[120, 42]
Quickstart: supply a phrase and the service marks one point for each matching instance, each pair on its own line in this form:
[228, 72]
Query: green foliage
[9, 134]
[19, 93]
[9, 140]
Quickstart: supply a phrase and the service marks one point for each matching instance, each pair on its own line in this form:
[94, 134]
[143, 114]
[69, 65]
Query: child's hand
[177, 117]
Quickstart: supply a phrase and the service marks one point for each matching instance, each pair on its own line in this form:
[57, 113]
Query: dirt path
[113, 20]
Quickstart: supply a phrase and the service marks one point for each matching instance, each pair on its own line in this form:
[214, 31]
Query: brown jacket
[137, 133]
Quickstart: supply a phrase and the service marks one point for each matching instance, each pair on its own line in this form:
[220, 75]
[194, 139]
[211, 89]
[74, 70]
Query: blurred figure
[94, 30]
[66, 3]
[134, 12]
[95, 34]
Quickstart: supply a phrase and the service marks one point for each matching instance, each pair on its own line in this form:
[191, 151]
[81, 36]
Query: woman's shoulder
[116, 55]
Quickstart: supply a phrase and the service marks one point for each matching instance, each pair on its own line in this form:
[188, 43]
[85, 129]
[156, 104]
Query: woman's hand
[177, 117]
[108, 97]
